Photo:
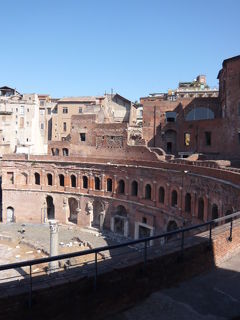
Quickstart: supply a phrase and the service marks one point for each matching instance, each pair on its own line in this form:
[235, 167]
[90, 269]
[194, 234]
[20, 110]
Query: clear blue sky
[76, 47]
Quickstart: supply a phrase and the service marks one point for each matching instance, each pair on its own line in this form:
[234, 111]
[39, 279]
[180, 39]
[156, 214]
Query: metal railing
[147, 246]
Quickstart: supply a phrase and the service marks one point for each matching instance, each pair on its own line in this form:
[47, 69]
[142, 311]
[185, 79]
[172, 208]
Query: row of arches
[133, 187]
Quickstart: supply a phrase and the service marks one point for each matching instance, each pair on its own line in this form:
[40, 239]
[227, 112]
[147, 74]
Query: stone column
[103, 183]
[65, 209]
[127, 186]
[126, 226]
[101, 220]
[79, 185]
[112, 224]
[154, 193]
[89, 211]
[167, 195]
[115, 184]
[53, 224]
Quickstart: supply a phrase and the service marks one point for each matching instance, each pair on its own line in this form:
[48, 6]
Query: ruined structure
[106, 175]
[202, 123]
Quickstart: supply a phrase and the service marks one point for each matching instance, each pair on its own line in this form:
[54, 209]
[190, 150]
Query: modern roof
[81, 99]
[5, 88]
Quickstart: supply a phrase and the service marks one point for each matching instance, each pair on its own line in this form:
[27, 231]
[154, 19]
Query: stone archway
[171, 226]
[171, 141]
[73, 210]
[119, 221]
[98, 214]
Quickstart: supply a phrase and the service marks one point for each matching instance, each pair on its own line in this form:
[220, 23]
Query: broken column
[53, 224]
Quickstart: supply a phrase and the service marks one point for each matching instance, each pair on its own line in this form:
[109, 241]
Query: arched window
[61, 180]
[10, 214]
[188, 203]
[214, 211]
[109, 185]
[200, 208]
[148, 192]
[161, 195]
[97, 183]
[174, 198]
[65, 152]
[37, 178]
[50, 208]
[121, 186]
[134, 189]
[85, 182]
[73, 181]
[49, 179]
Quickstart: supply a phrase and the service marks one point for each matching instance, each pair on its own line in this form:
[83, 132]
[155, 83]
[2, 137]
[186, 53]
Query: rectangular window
[10, 177]
[42, 126]
[65, 110]
[239, 109]
[42, 112]
[208, 138]
[21, 122]
[187, 139]
[83, 136]
[170, 116]
[49, 110]
[21, 111]
[80, 110]
[64, 126]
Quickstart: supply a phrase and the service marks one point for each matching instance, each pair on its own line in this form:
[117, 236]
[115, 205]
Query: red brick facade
[212, 124]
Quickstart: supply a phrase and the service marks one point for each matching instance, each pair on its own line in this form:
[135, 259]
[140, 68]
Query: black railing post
[30, 288]
[231, 227]
[96, 273]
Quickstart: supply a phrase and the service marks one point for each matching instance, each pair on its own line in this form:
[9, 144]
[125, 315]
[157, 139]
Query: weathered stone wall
[139, 202]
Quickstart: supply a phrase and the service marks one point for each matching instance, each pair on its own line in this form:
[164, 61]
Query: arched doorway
[171, 138]
[200, 208]
[188, 203]
[214, 211]
[121, 186]
[148, 192]
[98, 214]
[10, 214]
[172, 225]
[120, 220]
[73, 210]
[161, 194]
[174, 198]
[50, 208]
[134, 189]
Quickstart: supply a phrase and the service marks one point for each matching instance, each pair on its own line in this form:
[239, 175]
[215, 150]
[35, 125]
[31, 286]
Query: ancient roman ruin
[134, 169]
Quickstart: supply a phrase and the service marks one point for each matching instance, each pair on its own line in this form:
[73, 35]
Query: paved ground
[215, 295]
[39, 236]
